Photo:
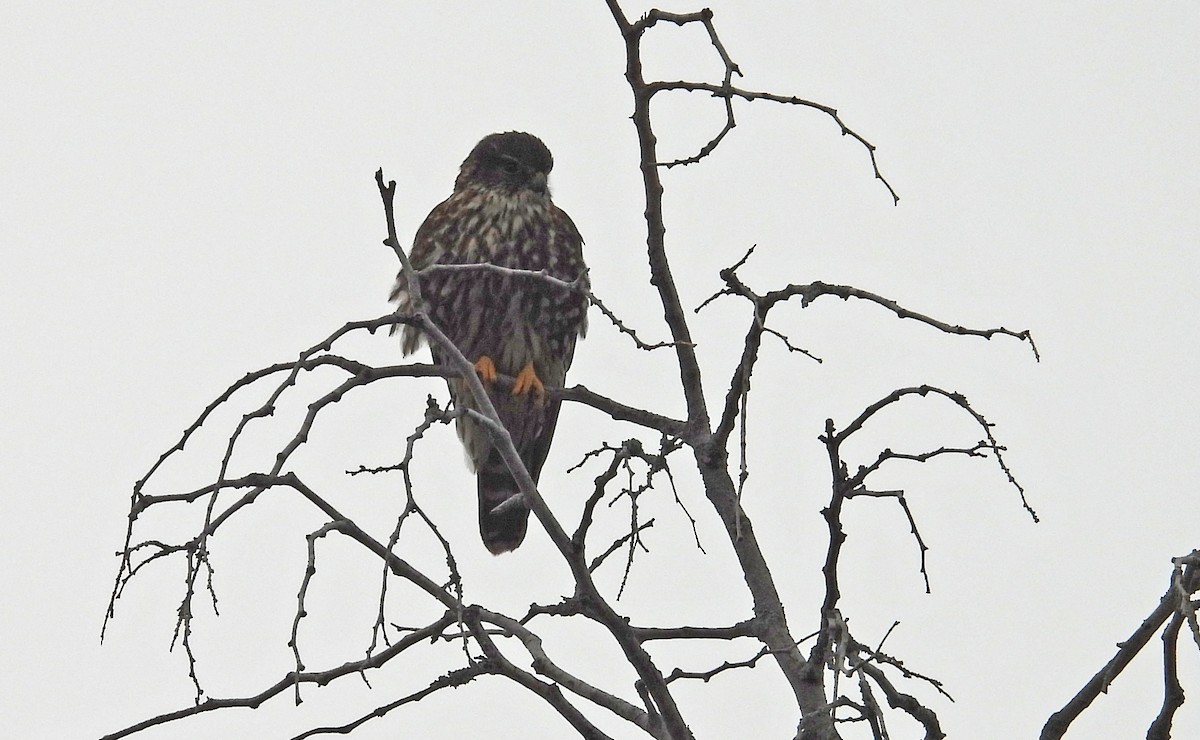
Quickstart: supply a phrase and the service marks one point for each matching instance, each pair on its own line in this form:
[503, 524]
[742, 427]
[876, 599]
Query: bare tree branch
[906, 703]
[725, 666]
[726, 91]
[320, 678]
[745, 628]
[548, 692]
[924, 390]
[546, 667]
[453, 679]
[1169, 605]
[1160, 728]
[388, 193]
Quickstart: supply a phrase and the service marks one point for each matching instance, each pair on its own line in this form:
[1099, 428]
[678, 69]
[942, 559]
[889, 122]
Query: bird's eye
[511, 166]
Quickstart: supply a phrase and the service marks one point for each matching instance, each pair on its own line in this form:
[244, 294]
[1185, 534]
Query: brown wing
[434, 238]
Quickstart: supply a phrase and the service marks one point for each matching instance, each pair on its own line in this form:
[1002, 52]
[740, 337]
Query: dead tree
[833, 676]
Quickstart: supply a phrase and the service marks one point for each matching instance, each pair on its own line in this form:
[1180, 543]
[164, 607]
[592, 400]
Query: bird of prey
[522, 326]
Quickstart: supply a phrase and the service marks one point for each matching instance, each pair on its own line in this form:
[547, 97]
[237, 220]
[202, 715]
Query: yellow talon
[486, 369]
[526, 381]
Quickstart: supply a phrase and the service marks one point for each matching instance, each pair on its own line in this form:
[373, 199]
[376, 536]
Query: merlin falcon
[522, 326]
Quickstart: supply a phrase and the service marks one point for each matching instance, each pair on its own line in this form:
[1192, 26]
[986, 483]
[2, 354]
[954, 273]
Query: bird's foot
[486, 369]
[527, 381]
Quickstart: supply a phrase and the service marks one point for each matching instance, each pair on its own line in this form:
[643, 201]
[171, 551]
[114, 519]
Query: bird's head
[512, 161]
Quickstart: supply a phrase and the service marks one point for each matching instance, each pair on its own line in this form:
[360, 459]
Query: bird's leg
[486, 369]
[526, 381]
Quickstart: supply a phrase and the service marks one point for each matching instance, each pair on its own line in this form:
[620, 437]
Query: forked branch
[1175, 605]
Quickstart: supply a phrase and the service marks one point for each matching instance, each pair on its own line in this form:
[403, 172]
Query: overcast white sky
[187, 194]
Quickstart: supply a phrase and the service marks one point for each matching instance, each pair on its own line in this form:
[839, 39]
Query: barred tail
[503, 530]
